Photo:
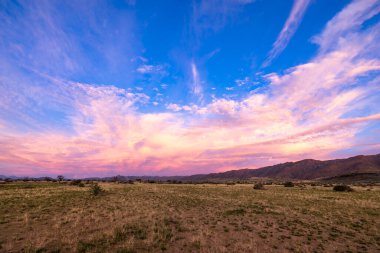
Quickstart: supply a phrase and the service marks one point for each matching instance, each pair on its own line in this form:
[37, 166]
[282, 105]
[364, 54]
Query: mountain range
[357, 168]
[307, 169]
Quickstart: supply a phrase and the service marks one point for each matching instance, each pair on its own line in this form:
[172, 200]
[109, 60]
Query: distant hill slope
[371, 177]
[305, 169]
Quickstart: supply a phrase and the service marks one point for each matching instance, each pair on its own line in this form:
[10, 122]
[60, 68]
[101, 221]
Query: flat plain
[143, 217]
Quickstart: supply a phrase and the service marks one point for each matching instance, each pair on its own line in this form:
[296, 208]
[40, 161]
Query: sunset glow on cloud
[135, 90]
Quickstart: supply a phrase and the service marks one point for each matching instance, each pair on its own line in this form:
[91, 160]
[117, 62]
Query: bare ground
[53, 217]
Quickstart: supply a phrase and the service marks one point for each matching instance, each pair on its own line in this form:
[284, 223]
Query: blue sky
[83, 72]
[110, 42]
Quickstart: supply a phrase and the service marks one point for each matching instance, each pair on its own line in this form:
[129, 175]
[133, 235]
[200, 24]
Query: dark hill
[305, 169]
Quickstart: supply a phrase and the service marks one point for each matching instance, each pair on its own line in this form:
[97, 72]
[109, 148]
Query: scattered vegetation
[144, 217]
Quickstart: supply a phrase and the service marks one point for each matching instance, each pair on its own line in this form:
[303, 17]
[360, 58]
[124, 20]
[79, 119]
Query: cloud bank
[310, 110]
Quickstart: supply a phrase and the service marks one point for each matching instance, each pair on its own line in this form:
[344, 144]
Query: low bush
[95, 189]
[342, 188]
[76, 182]
[289, 184]
[258, 186]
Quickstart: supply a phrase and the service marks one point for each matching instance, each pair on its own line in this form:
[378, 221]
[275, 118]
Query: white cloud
[347, 21]
[243, 82]
[287, 32]
[197, 88]
[151, 69]
[174, 107]
[139, 58]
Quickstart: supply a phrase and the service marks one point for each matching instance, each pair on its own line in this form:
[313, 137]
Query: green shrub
[289, 184]
[342, 188]
[95, 189]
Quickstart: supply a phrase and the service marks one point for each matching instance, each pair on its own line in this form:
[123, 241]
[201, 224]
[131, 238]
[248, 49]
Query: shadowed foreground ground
[53, 217]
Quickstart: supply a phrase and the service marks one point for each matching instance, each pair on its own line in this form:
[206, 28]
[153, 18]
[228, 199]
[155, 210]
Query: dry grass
[53, 217]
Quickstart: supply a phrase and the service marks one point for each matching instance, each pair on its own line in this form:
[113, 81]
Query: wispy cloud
[151, 69]
[347, 21]
[196, 85]
[206, 17]
[243, 82]
[63, 39]
[213, 15]
[291, 25]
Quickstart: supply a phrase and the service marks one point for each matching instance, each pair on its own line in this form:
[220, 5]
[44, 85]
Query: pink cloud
[303, 113]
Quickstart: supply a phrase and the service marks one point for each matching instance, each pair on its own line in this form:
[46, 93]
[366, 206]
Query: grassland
[54, 217]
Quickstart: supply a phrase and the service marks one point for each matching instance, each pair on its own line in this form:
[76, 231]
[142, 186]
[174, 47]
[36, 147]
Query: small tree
[60, 178]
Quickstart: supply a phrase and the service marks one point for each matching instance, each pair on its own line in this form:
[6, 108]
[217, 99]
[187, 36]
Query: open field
[53, 217]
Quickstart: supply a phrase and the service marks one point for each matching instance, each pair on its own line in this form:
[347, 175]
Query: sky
[138, 87]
